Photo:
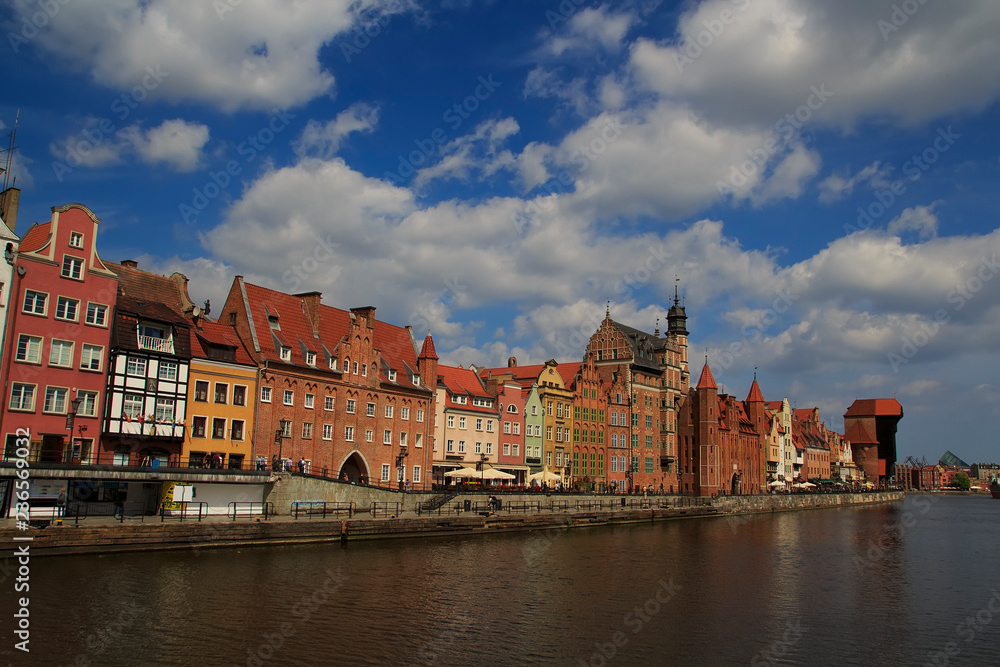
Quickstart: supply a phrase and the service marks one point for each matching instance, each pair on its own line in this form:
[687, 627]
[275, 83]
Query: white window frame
[385, 472]
[328, 431]
[96, 308]
[329, 402]
[132, 365]
[351, 406]
[265, 394]
[20, 390]
[349, 433]
[55, 391]
[163, 369]
[388, 412]
[416, 474]
[132, 405]
[76, 240]
[36, 296]
[288, 397]
[387, 437]
[88, 403]
[309, 400]
[420, 415]
[36, 358]
[70, 262]
[63, 303]
[404, 414]
[62, 346]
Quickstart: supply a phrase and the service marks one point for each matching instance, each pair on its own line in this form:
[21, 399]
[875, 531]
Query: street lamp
[482, 467]
[70, 416]
[403, 453]
[279, 440]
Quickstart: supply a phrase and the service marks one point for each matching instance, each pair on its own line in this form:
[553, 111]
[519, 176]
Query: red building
[870, 425]
[339, 388]
[511, 402]
[57, 340]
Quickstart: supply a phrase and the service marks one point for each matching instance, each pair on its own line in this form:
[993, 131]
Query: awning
[468, 473]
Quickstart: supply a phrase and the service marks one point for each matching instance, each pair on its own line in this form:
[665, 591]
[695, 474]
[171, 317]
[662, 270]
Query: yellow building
[222, 398]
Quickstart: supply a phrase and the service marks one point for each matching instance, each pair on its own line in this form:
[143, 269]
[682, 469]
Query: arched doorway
[353, 468]
[736, 484]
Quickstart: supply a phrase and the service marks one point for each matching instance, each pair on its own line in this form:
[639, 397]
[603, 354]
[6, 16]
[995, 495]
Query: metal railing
[385, 507]
[250, 510]
[523, 506]
[311, 508]
[188, 509]
[156, 344]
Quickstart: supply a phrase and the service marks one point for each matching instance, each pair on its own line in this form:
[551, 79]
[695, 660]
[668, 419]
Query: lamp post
[482, 467]
[70, 416]
[403, 453]
[279, 440]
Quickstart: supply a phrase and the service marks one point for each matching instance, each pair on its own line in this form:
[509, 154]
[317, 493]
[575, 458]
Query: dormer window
[311, 358]
[333, 363]
[155, 337]
[392, 375]
[286, 353]
[272, 321]
[415, 380]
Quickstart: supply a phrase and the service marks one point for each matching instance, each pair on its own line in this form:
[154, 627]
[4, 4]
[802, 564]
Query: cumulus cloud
[175, 143]
[323, 140]
[837, 186]
[255, 55]
[920, 219]
[590, 28]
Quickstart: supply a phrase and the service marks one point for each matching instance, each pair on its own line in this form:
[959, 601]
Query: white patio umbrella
[493, 473]
[544, 476]
[469, 473]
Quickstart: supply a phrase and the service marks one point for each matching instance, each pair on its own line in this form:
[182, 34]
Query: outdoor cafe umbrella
[469, 473]
[493, 473]
[777, 482]
[544, 476]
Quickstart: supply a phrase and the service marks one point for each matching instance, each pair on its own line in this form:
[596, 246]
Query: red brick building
[349, 393]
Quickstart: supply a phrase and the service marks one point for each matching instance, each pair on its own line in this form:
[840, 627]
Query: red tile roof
[706, 381]
[875, 407]
[427, 350]
[755, 396]
[464, 382]
[205, 332]
[145, 286]
[859, 433]
[35, 238]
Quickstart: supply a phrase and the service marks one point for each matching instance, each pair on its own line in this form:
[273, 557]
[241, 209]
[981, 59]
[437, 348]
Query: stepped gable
[642, 345]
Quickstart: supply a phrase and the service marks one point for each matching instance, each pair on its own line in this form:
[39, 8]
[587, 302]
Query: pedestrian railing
[191, 510]
[321, 508]
[250, 510]
[523, 506]
[384, 508]
[559, 505]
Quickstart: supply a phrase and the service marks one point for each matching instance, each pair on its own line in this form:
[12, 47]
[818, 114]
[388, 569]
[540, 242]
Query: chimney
[512, 362]
[130, 263]
[367, 313]
[9, 201]
[310, 306]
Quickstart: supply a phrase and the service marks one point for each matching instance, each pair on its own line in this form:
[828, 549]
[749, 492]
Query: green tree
[961, 481]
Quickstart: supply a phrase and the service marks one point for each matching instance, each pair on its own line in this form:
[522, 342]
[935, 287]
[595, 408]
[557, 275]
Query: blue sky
[821, 177]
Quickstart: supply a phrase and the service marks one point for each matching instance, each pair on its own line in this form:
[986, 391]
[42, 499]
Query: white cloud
[477, 151]
[836, 186]
[253, 54]
[324, 140]
[592, 27]
[174, 143]
[920, 219]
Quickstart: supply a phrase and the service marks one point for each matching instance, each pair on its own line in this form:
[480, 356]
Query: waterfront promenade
[460, 515]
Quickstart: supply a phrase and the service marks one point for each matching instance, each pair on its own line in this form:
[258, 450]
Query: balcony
[164, 345]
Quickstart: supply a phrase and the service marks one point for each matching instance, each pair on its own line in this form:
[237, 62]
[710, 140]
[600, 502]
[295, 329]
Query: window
[88, 403]
[402, 439]
[649, 421]
[72, 267]
[201, 391]
[311, 358]
[392, 375]
[355, 367]
[61, 353]
[512, 409]
[506, 449]
[132, 406]
[75, 240]
[22, 396]
[614, 419]
[309, 400]
[350, 405]
[387, 437]
[29, 348]
[328, 431]
[489, 425]
[136, 366]
[489, 447]
[167, 370]
[198, 427]
[328, 403]
[461, 422]
[517, 428]
[369, 435]
[461, 446]
[265, 394]
[349, 433]
[388, 412]
[548, 432]
[418, 439]
[164, 409]
[289, 397]
[404, 414]
[55, 399]
[34, 302]
[286, 428]
[451, 421]
[506, 428]
[333, 364]
[385, 473]
[307, 430]
[649, 464]
[451, 447]
[420, 415]
[222, 392]
[285, 353]
[516, 449]
[479, 448]
[370, 409]
[479, 424]
[67, 309]
[534, 410]
[364, 370]
[416, 474]
[237, 429]
[239, 394]
[219, 428]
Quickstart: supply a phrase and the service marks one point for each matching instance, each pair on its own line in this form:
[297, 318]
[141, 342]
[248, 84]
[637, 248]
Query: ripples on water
[827, 587]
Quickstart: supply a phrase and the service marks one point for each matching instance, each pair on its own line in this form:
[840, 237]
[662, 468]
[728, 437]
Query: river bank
[106, 535]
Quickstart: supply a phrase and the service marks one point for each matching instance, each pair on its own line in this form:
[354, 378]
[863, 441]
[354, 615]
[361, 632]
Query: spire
[607, 310]
[656, 331]
[755, 395]
[676, 316]
[706, 381]
[428, 351]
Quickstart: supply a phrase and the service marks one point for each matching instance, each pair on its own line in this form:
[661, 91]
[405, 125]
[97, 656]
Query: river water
[912, 583]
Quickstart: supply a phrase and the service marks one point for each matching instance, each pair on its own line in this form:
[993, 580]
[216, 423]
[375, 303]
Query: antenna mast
[9, 163]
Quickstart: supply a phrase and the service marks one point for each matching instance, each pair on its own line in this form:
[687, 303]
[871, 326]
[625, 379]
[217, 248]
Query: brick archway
[353, 468]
